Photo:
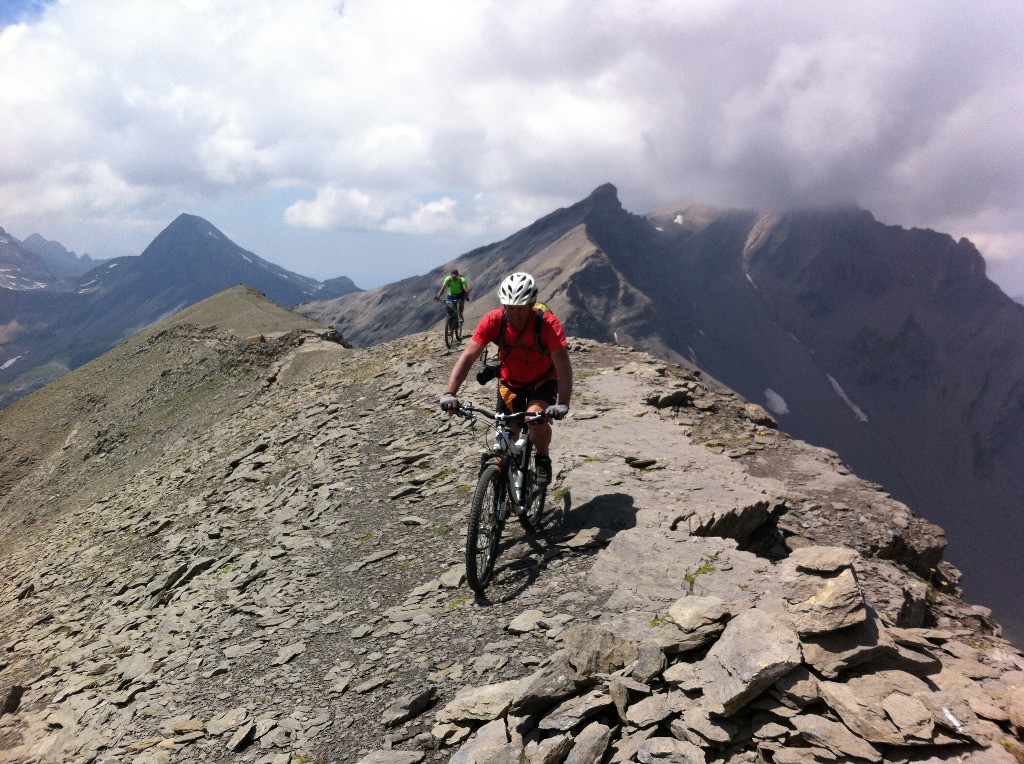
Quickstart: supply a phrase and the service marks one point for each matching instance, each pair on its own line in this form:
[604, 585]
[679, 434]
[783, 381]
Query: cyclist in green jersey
[458, 290]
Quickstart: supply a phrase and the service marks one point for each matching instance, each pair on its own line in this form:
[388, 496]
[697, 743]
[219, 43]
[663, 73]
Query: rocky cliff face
[888, 346]
[893, 348]
[234, 539]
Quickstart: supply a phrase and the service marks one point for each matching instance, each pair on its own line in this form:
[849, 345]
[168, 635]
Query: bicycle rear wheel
[484, 529]
[458, 330]
[532, 516]
[450, 326]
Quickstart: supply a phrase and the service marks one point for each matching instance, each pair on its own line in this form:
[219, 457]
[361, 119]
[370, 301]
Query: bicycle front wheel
[458, 330]
[484, 529]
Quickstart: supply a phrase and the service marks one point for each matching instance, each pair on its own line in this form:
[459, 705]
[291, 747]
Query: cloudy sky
[379, 138]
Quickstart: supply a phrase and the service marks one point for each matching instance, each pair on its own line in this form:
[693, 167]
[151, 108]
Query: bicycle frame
[507, 455]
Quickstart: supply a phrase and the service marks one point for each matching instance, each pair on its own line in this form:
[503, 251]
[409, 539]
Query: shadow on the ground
[515, 573]
[610, 512]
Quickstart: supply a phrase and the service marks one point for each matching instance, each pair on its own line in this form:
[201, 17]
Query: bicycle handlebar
[468, 410]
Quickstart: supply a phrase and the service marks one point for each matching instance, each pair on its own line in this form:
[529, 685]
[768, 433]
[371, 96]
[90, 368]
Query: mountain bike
[452, 326]
[507, 483]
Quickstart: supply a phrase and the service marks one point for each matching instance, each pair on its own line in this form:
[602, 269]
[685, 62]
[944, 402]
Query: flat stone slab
[753, 652]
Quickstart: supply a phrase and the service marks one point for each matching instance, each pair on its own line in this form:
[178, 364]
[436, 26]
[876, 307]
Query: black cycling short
[512, 400]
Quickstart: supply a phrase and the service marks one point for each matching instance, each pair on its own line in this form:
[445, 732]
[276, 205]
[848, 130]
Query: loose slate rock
[669, 750]
[392, 757]
[753, 652]
[835, 652]
[408, 706]
[702, 619]
[229, 720]
[572, 712]
[490, 744]
[594, 650]
[867, 706]
[650, 710]
[242, 737]
[288, 652]
[590, 744]
[482, 703]
[823, 559]
[526, 621]
[547, 686]
[817, 730]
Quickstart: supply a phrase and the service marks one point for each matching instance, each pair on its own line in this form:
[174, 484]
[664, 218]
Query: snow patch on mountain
[11, 278]
[775, 402]
[861, 416]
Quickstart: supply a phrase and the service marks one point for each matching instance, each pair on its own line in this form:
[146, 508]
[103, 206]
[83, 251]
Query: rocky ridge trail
[251, 550]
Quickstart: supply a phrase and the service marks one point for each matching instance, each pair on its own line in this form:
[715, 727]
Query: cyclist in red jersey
[536, 373]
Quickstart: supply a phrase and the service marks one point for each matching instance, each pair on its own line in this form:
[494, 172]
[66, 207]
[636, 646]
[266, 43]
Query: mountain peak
[188, 224]
[192, 250]
[604, 198]
[190, 237]
[191, 220]
[605, 191]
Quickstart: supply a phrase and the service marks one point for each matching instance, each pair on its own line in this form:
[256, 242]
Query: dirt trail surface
[222, 544]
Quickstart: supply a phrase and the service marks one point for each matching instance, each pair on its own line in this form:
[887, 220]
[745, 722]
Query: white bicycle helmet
[518, 289]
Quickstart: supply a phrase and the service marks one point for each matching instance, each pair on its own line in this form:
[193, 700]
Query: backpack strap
[501, 337]
[538, 326]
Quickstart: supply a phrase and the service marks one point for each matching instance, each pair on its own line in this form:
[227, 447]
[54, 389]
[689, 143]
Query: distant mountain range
[62, 263]
[889, 346]
[54, 316]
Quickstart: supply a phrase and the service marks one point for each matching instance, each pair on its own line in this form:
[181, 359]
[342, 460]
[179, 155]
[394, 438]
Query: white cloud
[352, 208]
[426, 218]
[997, 247]
[335, 206]
[820, 106]
[87, 188]
[474, 117]
[969, 160]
